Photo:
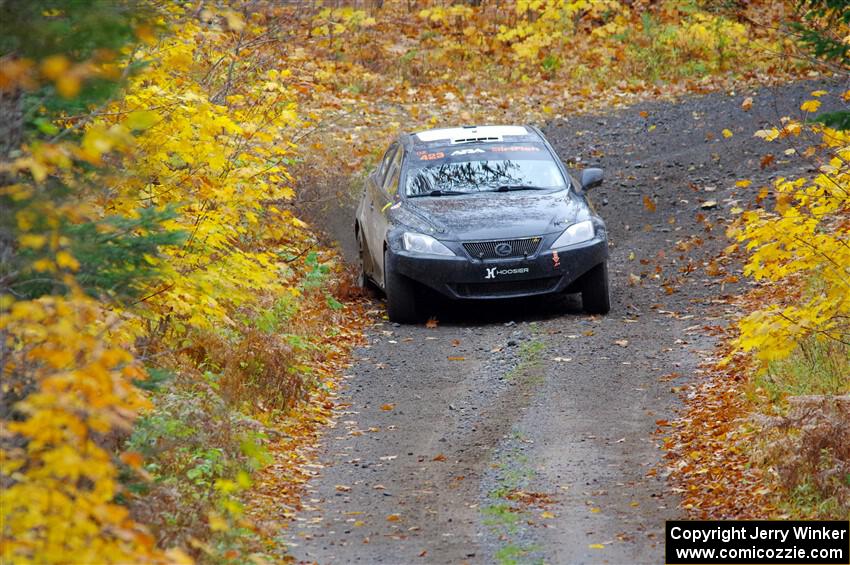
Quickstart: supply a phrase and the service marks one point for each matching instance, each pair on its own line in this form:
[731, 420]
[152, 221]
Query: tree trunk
[11, 122]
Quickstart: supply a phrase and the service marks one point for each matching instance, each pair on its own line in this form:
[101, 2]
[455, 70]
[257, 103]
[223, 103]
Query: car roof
[473, 134]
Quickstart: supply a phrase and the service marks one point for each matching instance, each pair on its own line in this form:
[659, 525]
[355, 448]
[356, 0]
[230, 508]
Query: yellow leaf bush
[215, 153]
[804, 245]
[61, 499]
[196, 144]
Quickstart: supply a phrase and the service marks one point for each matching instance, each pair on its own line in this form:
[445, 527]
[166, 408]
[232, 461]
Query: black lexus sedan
[479, 213]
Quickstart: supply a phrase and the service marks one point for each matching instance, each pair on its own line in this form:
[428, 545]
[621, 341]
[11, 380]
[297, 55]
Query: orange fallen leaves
[132, 459]
[707, 449]
[531, 498]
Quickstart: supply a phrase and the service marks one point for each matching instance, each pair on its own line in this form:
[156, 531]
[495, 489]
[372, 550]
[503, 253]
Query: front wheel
[401, 297]
[594, 290]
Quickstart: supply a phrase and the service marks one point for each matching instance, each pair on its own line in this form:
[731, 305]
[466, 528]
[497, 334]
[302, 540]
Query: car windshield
[467, 169]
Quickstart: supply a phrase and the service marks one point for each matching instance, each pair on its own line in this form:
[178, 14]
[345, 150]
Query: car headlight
[576, 233]
[425, 244]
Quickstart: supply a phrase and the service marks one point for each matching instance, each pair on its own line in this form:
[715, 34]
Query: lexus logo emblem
[504, 249]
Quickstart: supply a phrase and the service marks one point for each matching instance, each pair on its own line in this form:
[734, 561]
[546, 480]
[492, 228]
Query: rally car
[479, 213]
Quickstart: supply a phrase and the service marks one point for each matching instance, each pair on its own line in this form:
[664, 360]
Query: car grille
[506, 288]
[488, 249]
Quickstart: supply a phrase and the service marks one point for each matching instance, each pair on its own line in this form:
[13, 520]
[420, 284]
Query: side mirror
[591, 177]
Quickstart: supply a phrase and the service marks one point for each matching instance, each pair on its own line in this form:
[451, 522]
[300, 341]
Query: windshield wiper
[509, 187]
[439, 193]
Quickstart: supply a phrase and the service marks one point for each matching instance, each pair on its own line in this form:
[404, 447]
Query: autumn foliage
[165, 311]
[765, 436]
[422, 64]
[803, 244]
[151, 268]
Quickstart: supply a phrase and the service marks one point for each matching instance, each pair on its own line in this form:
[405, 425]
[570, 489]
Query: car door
[385, 196]
[368, 214]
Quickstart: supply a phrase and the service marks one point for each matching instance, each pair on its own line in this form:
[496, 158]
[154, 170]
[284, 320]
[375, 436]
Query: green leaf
[839, 120]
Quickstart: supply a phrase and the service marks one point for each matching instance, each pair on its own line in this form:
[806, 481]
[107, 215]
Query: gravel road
[528, 431]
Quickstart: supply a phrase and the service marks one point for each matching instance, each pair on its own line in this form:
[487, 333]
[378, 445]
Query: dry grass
[810, 451]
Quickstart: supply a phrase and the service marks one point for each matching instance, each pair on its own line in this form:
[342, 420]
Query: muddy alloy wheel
[594, 291]
[401, 297]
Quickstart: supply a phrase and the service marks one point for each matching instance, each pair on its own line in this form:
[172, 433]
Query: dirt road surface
[528, 431]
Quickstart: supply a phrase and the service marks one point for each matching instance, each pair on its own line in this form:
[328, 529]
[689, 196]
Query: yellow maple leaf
[727, 133]
[43, 265]
[810, 106]
[767, 134]
[216, 522]
[55, 66]
[32, 241]
[234, 20]
[65, 259]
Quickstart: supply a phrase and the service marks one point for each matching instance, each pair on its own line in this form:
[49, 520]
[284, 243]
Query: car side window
[393, 173]
[385, 162]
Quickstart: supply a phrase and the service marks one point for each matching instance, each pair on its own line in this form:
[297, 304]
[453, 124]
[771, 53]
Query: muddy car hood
[498, 215]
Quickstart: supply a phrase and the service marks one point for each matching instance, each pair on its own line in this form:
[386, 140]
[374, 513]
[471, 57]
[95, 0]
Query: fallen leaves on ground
[708, 455]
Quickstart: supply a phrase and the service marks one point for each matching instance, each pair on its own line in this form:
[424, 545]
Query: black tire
[594, 290]
[401, 297]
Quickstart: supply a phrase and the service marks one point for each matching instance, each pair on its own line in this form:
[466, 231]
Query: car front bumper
[462, 277]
